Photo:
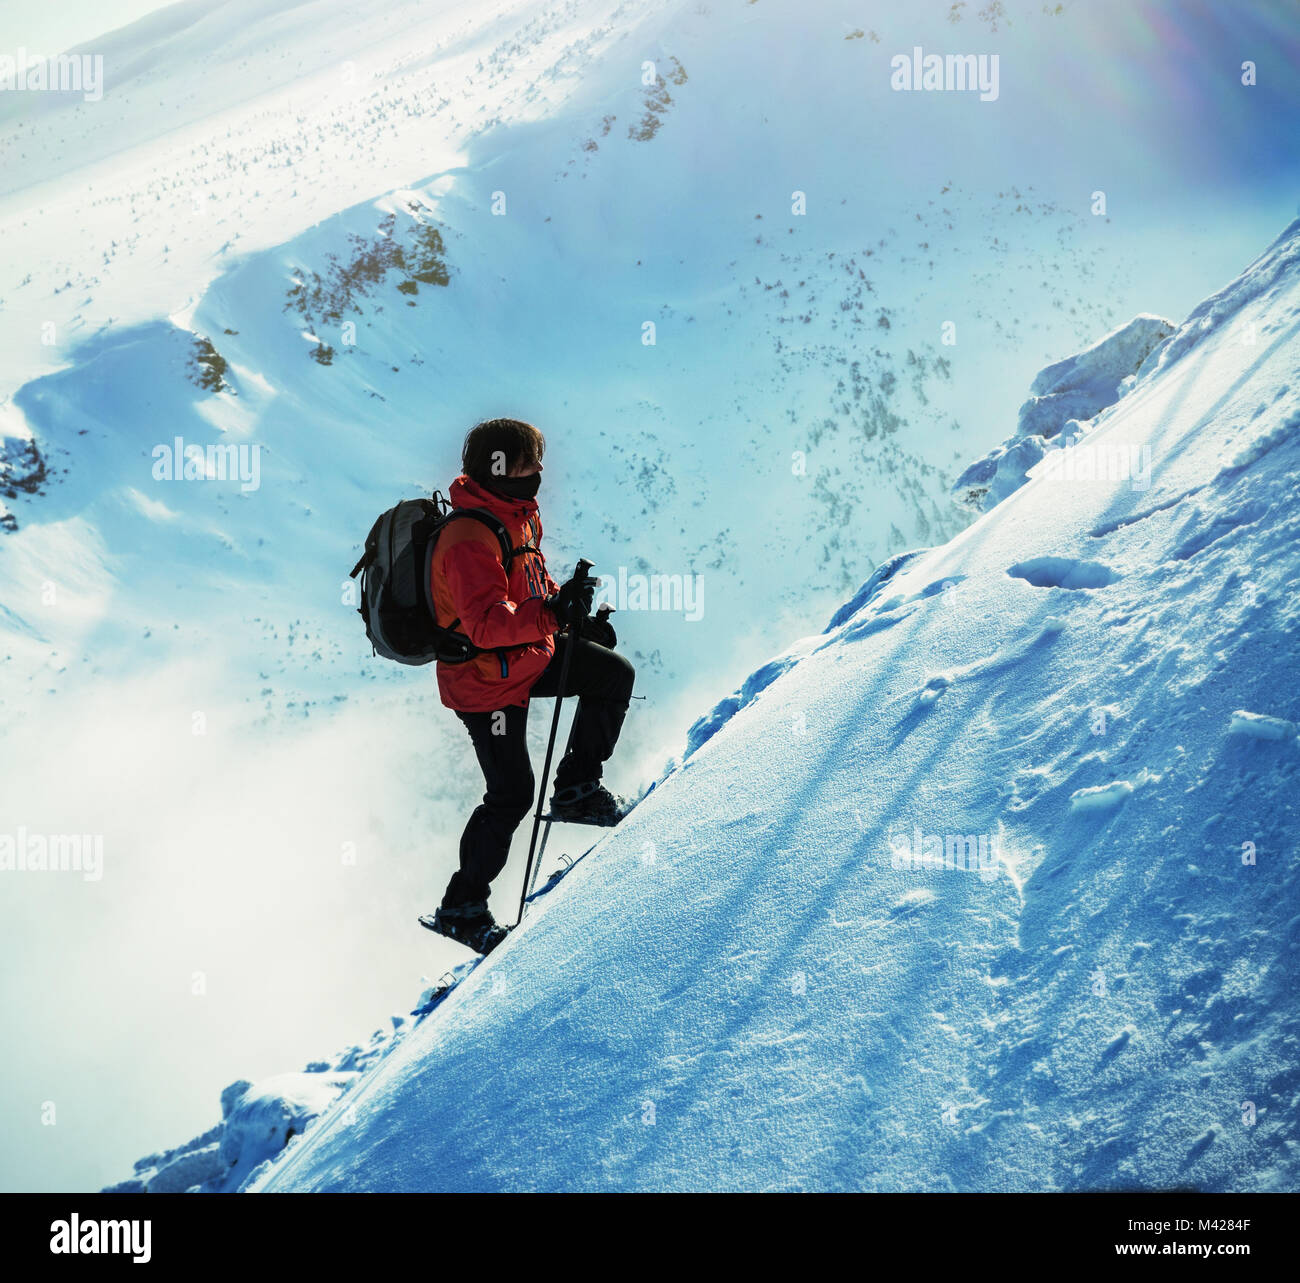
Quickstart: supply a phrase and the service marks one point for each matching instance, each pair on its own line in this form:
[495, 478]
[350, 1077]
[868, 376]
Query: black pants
[602, 679]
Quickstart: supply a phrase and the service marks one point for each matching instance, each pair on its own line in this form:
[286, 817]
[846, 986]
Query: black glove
[572, 603]
[597, 628]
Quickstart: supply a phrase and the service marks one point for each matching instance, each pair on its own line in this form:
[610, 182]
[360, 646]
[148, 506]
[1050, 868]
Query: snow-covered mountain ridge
[787, 969]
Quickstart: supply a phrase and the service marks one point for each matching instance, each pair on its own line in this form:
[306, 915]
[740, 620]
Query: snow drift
[1066, 398]
[762, 981]
[257, 1121]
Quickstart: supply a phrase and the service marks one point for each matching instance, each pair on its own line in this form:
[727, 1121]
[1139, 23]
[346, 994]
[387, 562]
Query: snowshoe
[468, 924]
[589, 803]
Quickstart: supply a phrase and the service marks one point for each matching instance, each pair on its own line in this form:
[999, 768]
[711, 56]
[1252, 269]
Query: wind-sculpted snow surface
[1084, 384]
[758, 681]
[1064, 396]
[259, 1119]
[994, 888]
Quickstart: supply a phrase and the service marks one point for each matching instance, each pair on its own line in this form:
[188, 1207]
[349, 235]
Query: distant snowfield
[241, 248]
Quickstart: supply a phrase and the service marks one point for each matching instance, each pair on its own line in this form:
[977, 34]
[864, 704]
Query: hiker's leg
[508, 774]
[602, 679]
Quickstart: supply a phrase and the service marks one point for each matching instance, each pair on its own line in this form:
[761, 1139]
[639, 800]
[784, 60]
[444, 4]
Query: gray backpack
[396, 592]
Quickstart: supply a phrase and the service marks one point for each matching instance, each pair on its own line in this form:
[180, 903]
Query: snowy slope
[738, 989]
[180, 669]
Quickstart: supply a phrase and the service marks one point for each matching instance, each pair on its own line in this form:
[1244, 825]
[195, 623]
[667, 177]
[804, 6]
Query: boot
[589, 803]
[469, 924]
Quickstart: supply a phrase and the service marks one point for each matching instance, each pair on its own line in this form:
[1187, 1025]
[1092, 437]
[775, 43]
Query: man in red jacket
[513, 618]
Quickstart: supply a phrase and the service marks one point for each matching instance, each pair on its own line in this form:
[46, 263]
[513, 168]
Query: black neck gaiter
[516, 487]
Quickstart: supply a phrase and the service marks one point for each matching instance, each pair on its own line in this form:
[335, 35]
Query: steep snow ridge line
[1233, 393]
[1067, 399]
[1267, 271]
[1115, 371]
[845, 624]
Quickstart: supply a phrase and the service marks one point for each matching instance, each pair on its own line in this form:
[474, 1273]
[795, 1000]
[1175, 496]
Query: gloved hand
[597, 628]
[572, 603]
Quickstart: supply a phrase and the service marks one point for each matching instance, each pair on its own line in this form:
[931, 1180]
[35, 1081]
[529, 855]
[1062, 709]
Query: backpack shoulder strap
[494, 524]
[530, 544]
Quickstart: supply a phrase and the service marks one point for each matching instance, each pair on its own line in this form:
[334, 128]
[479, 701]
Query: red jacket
[507, 618]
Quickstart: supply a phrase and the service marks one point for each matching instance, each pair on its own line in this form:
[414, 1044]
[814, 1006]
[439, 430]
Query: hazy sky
[51, 28]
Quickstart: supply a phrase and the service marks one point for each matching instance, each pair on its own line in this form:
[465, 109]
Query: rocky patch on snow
[22, 470]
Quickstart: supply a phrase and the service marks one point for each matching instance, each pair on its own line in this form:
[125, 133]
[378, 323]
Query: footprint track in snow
[1063, 572]
[1203, 530]
[1120, 523]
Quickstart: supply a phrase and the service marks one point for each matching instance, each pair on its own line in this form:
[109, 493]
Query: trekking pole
[584, 567]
